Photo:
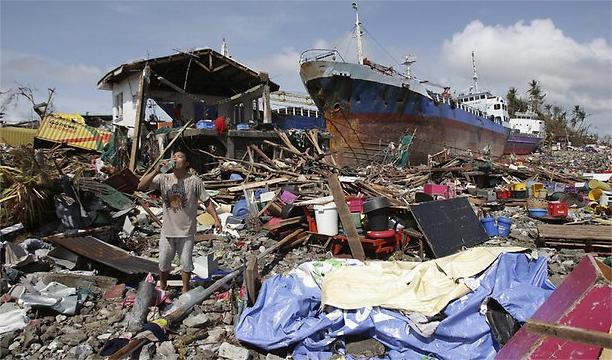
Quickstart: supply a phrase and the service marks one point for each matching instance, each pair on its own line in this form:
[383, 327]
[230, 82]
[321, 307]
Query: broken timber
[585, 236]
[345, 216]
[257, 184]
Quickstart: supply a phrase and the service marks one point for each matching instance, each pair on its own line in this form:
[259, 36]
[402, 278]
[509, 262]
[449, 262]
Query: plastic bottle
[169, 165]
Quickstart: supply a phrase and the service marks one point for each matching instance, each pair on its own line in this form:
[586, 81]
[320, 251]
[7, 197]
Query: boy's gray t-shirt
[180, 198]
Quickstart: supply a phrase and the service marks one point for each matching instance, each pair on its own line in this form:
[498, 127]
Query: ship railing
[320, 55]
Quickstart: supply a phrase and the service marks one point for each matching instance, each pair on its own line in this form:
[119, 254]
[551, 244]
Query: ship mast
[358, 34]
[474, 77]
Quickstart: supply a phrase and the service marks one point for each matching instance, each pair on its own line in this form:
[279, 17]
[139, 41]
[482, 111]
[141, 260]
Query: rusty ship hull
[366, 110]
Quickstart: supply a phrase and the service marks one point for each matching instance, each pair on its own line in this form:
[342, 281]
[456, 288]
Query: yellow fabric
[74, 117]
[413, 287]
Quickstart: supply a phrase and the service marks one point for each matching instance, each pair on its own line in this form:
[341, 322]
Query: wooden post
[267, 110]
[140, 111]
[346, 218]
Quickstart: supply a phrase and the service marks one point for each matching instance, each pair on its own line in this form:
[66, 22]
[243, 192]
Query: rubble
[72, 287]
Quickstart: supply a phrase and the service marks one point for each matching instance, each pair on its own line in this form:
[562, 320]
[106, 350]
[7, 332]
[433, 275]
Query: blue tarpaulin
[287, 312]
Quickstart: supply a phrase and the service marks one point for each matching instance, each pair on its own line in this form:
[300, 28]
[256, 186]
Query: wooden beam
[140, 111]
[257, 184]
[220, 67]
[161, 155]
[591, 337]
[177, 88]
[577, 232]
[346, 218]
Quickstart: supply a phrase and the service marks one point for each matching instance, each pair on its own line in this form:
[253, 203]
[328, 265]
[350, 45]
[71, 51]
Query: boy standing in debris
[181, 192]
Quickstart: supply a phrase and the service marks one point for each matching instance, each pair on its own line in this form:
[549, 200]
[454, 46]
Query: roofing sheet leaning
[107, 254]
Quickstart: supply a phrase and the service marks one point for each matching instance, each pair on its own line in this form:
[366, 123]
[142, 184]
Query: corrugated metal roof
[16, 136]
[107, 254]
[66, 131]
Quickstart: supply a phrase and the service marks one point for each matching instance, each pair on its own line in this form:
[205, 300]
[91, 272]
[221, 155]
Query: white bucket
[327, 218]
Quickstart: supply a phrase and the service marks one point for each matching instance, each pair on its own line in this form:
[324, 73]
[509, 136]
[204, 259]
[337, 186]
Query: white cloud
[19, 66]
[569, 72]
[283, 69]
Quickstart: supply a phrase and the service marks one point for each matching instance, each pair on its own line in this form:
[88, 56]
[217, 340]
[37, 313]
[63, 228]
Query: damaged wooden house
[224, 105]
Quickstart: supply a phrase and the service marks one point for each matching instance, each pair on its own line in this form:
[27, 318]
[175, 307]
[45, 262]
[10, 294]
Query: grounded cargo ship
[527, 133]
[369, 109]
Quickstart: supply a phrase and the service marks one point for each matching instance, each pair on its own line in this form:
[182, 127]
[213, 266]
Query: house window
[119, 106]
[497, 106]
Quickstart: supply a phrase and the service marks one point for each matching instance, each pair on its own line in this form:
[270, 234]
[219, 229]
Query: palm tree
[578, 116]
[536, 97]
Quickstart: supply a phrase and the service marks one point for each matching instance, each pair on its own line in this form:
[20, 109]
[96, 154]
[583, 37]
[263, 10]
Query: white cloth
[412, 287]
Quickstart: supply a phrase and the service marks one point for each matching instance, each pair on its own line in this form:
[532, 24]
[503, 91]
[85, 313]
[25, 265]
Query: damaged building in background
[209, 86]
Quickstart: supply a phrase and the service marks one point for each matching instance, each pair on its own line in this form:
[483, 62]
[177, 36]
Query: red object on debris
[434, 189]
[356, 204]
[582, 302]
[221, 125]
[504, 194]
[558, 209]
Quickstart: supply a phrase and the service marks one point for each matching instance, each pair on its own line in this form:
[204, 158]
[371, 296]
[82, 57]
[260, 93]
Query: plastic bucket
[326, 217]
[595, 194]
[503, 226]
[489, 225]
[240, 209]
[377, 212]
[598, 184]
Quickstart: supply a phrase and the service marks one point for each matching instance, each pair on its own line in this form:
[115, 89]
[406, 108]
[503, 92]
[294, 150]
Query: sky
[70, 45]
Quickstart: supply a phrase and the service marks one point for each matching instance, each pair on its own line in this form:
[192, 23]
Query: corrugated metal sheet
[16, 136]
[107, 254]
[68, 131]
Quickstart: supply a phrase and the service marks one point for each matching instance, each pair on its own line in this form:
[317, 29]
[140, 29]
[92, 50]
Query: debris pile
[315, 261]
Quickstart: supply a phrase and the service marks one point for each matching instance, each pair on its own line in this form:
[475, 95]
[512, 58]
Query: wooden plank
[257, 184]
[251, 274]
[161, 155]
[591, 337]
[582, 232]
[140, 111]
[346, 218]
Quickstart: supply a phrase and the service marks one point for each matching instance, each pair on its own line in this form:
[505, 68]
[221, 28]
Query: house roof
[202, 71]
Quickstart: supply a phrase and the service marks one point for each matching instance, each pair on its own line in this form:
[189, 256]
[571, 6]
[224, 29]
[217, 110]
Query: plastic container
[503, 226]
[503, 194]
[169, 165]
[557, 209]
[489, 226]
[356, 205]
[377, 212]
[326, 217]
[519, 194]
[537, 212]
[290, 210]
[595, 194]
[519, 187]
[240, 209]
[435, 189]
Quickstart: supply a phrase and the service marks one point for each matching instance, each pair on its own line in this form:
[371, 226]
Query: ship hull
[522, 144]
[366, 111]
